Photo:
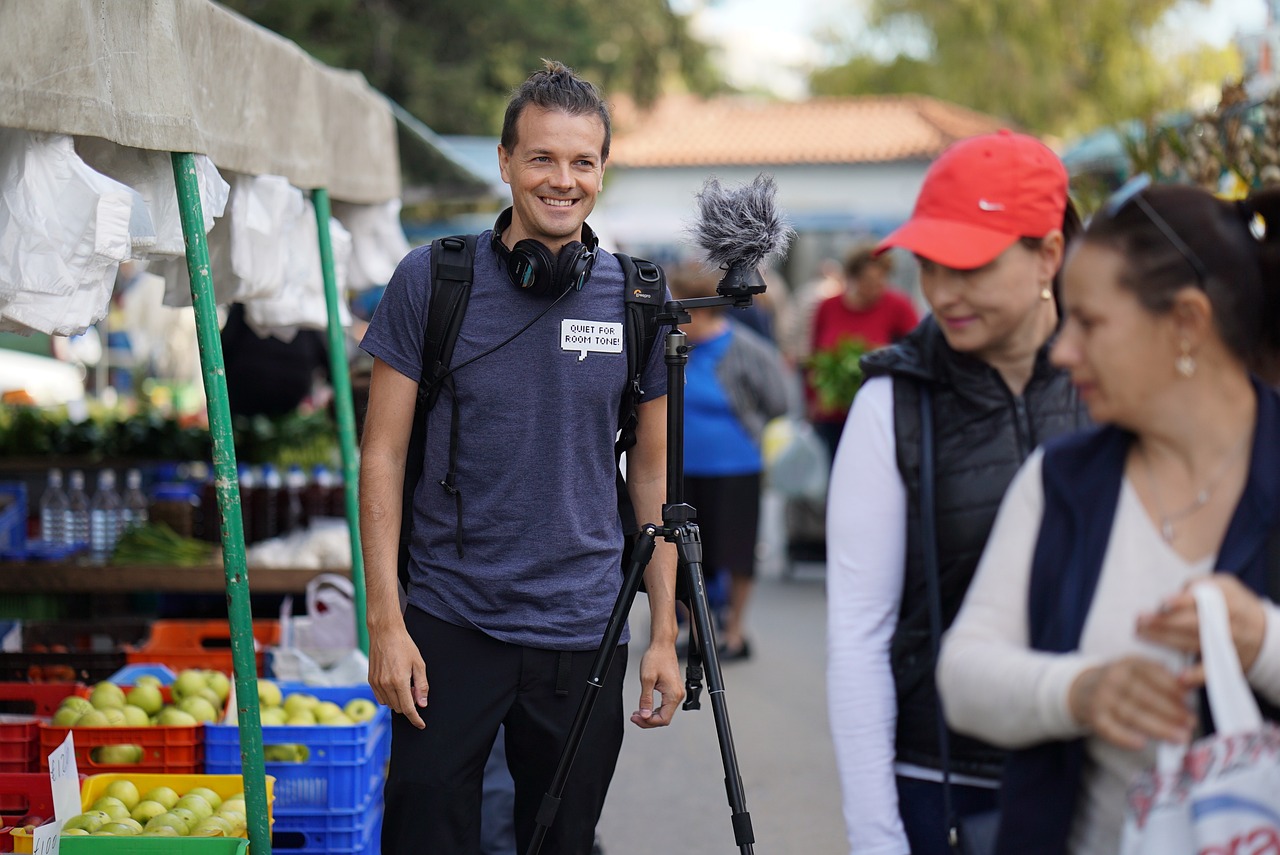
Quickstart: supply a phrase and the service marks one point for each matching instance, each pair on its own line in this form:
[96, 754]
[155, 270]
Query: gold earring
[1186, 363]
[1046, 294]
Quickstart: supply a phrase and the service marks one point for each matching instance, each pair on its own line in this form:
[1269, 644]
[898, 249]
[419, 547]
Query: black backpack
[452, 260]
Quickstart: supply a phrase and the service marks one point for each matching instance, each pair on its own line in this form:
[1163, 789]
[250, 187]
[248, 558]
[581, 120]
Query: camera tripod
[678, 527]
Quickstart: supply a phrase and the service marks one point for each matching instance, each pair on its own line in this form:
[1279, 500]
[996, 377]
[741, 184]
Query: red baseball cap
[981, 195]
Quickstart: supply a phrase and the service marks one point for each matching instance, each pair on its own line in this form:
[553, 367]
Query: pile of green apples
[302, 708]
[122, 811]
[198, 696]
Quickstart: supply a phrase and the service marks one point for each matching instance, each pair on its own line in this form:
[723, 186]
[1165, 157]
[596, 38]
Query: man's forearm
[380, 521]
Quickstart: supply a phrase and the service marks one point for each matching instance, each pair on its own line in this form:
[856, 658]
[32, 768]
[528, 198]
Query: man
[513, 572]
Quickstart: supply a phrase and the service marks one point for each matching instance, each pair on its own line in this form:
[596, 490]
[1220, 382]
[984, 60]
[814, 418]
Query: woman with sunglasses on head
[989, 230]
[1072, 645]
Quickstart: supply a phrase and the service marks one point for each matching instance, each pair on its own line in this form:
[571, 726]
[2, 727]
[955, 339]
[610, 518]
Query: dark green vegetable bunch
[836, 374]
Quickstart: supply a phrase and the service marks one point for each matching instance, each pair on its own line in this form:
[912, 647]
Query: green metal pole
[346, 410]
[228, 489]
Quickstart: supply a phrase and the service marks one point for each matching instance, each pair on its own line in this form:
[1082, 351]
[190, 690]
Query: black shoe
[597, 848]
[735, 654]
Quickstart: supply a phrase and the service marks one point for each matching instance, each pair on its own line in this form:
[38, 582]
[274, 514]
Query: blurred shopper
[1072, 645]
[735, 382]
[989, 229]
[866, 311]
[269, 376]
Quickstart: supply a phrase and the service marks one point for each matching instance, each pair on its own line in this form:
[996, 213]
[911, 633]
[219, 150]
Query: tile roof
[731, 131]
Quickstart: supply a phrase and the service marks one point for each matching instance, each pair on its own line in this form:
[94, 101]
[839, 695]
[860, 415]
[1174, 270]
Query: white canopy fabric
[190, 75]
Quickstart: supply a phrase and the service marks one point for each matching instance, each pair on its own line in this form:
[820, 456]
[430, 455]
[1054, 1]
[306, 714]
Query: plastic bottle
[316, 497]
[267, 520]
[338, 496]
[292, 514]
[55, 507]
[133, 508]
[104, 516]
[248, 501]
[77, 530]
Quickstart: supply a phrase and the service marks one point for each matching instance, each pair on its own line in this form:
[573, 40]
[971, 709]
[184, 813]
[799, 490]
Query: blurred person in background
[989, 230]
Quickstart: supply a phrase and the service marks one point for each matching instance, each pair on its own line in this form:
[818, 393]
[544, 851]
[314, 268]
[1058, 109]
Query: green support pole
[346, 411]
[228, 489]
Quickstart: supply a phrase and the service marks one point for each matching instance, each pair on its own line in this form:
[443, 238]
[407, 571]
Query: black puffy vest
[982, 434]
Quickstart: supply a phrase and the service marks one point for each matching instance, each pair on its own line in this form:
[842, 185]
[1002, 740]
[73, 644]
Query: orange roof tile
[731, 131]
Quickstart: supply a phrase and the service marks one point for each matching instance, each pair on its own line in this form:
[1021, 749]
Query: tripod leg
[640, 556]
[689, 548]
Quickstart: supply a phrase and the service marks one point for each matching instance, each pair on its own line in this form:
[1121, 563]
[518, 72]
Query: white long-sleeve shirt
[996, 688]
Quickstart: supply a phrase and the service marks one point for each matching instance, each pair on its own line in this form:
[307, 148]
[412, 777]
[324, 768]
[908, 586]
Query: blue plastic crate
[13, 515]
[345, 767]
[356, 833]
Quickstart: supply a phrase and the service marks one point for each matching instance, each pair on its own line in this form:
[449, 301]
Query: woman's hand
[1176, 624]
[1130, 701]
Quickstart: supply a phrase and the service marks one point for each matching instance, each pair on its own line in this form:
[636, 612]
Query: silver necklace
[1202, 495]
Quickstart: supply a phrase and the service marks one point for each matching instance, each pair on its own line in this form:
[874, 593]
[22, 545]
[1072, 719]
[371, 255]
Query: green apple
[232, 803]
[174, 717]
[298, 701]
[93, 718]
[360, 709]
[145, 697]
[168, 820]
[220, 684]
[90, 820]
[273, 715]
[199, 708]
[126, 791]
[196, 804]
[117, 755]
[186, 814]
[237, 820]
[148, 680]
[326, 710]
[135, 716]
[189, 682]
[214, 800]
[222, 825]
[121, 828]
[166, 796]
[115, 716]
[106, 695]
[148, 808]
[73, 832]
[77, 703]
[162, 830]
[268, 694]
[66, 716]
[111, 806]
[301, 718]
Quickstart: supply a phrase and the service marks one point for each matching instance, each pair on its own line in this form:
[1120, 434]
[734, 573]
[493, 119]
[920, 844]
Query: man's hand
[659, 672]
[397, 674]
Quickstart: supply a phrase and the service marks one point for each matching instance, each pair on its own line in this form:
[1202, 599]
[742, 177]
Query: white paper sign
[590, 337]
[44, 840]
[65, 778]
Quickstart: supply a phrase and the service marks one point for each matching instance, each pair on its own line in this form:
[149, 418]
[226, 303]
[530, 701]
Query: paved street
[668, 794]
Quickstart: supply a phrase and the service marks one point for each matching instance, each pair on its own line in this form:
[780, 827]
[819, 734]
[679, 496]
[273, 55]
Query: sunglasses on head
[1131, 192]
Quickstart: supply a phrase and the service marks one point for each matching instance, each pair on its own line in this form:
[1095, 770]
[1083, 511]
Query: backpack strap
[645, 287]
[452, 259]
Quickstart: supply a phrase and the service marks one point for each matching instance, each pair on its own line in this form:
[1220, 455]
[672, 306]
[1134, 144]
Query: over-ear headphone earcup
[531, 267]
[573, 266]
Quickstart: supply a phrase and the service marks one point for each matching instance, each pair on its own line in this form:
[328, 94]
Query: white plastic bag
[1223, 793]
[319, 648]
[796, 464]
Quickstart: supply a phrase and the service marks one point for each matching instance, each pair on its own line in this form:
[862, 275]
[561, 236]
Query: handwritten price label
[65, 780]
[44, 841]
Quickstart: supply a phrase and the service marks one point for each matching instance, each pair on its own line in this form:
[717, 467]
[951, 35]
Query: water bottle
[104, 516]
[316, 497]
[291, 512]
[266, 520]
[133, 510]
[55, 507]
[77, 530]
[248, 484]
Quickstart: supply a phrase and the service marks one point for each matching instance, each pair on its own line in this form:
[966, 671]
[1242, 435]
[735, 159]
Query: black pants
[475, 683]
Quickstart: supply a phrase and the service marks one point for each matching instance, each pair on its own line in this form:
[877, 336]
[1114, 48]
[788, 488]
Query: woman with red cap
[936, 433]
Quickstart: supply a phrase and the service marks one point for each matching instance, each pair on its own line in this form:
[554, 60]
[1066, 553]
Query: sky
[768, 43]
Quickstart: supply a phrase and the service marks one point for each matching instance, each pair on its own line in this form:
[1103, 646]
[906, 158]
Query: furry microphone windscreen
[740, 226]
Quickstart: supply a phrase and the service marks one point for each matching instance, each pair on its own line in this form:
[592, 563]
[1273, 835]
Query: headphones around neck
[536, 270]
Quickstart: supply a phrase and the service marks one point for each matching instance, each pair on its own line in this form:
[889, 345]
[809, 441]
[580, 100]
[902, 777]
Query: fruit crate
[19, 747]
[94, 787]
[24, 794]
[165, 749]
[345, 765]
[139, 845]
[338, 834]
[70, 650]
[41, 699]
[182, 644]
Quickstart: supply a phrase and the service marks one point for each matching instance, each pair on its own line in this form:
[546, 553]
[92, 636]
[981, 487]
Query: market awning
[190, 75]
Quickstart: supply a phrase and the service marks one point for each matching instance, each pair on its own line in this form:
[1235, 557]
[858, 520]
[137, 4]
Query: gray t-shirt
[542, 541]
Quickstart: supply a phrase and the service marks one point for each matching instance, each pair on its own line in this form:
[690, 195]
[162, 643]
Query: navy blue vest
[1082, 477]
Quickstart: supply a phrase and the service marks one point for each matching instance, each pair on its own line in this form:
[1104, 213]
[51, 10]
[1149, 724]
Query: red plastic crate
[165, 749]
[23, 794]
[37, 698]
[19, 744]
[182, 644]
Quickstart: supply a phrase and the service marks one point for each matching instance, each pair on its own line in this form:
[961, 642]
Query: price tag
[44, 841]
[65, 779]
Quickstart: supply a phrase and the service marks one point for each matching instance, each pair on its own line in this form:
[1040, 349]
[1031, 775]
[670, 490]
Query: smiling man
[514, 566]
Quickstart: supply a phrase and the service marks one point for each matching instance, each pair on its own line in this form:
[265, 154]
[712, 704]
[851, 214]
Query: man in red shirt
[867, 310]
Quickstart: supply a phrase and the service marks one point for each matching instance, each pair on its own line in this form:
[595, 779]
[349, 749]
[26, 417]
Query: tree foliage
[453, 63]
[1045, 65]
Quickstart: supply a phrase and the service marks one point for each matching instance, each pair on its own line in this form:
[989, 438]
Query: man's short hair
[556, 87]
[863, 256]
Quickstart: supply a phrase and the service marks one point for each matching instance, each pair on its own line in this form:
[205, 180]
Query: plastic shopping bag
[1222, 794]
[795, 460]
